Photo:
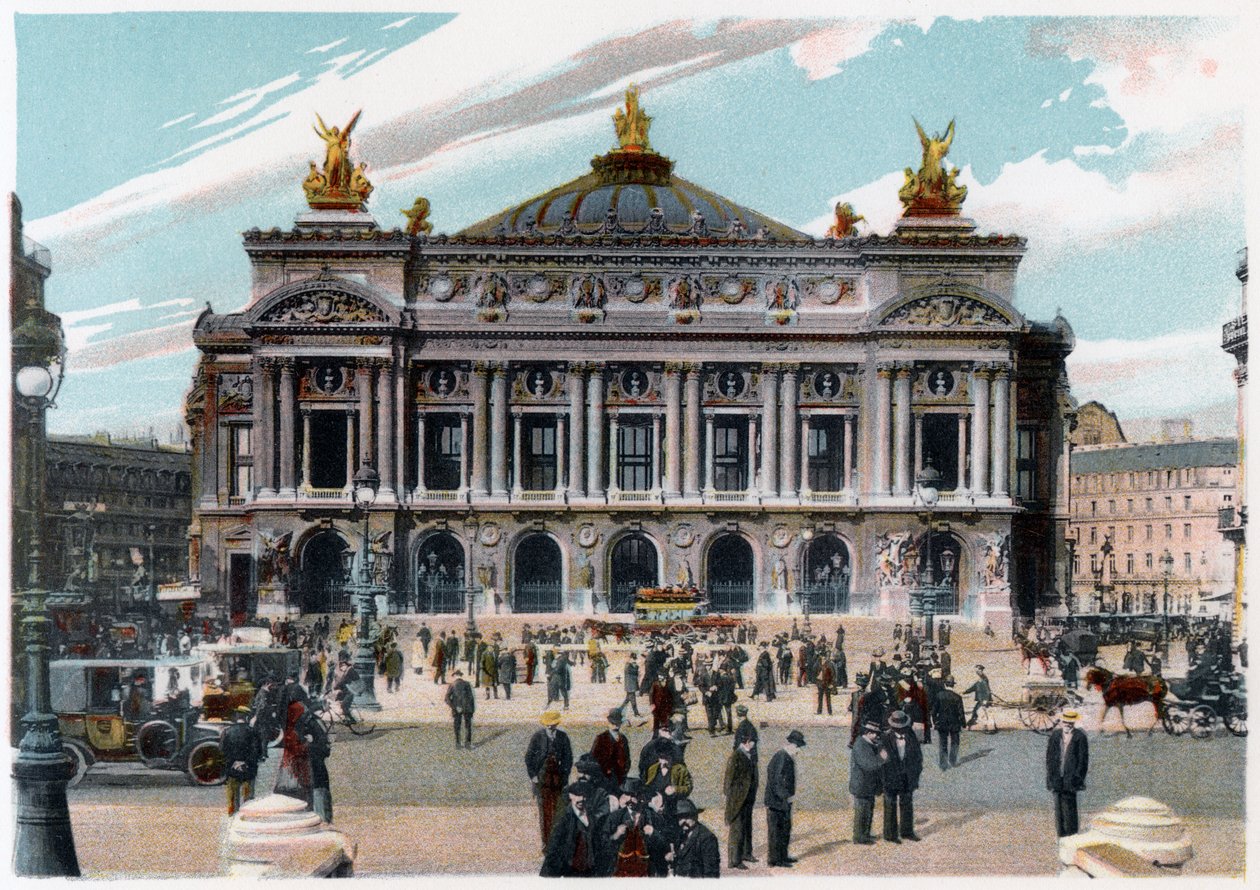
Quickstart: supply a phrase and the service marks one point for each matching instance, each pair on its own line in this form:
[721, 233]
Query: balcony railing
[325, 494]
[37, 252]
[1234, 333]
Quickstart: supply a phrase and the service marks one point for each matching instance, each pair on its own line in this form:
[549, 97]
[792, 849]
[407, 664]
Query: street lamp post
[365, 485]
[43, 839]
[1166, 563]
[927, 488]
[151, 593]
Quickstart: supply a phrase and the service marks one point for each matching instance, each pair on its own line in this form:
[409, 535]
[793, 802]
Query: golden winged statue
[933, 191]
[418, 218]
[341, 185]
[632, 124]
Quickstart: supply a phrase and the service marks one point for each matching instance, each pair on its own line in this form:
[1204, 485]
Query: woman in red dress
[294, 776]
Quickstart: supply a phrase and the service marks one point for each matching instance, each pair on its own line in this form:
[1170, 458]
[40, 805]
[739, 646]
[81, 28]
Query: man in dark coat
[661, 700]
[696, 854]
[764, 683]
[983, 693]
[611, 750]
[785, 663]
[740, 787]
[1134, 660]
[902, 769]
[548, 760]
[866, 779]
[726, 697]
[780, 792]
[507, 671]
[318, 748]
[462, 702]
[452, 651]
[950, 716]
[242, 747]
[1067, 762]
[711, 695]
[630, 682]
[663, 740]
[745, 730]
[425, 635]
[575, 849]
[824, 680]
[871, 707]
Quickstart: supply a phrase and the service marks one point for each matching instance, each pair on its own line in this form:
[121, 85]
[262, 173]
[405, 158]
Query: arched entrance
[827, 574]
[538, 575]
[440, 578]
[945, 552]
[634, 565]
[323, 583]
[731, 575]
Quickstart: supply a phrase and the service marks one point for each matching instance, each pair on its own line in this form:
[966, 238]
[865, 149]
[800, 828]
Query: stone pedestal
[778, 602]
[1128, 839]
[991, 606]
[894, 602]
[281, 837]
[273, 602]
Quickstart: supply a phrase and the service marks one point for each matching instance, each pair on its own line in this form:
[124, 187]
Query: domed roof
[631, 191]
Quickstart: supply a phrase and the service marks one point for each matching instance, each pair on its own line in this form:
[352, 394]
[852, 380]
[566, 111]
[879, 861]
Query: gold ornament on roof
[418, 218]
[933, 191]
[340, 185]
[846, 221]
[632, 124]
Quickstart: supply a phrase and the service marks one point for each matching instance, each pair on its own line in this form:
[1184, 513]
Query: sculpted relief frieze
[947, 311]
[323, 307]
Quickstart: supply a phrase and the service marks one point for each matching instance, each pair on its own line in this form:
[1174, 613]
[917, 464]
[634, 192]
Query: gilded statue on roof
[933, 191]
[632, 124]
[340, 185]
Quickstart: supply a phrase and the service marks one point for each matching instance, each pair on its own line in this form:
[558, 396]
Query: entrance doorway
[328, 449]
[440, 575]
[633, 566]
[537, 576]
[827, 574]
[731, 581]
[242, 595]
[323, 583]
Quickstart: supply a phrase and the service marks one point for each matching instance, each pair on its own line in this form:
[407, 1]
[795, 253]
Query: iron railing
[824, 598]
[730, 596]
[538, 596]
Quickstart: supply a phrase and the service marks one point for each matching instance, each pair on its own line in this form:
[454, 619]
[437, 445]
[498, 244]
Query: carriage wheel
[1236, 722]
[1202, 718]
[683, 631]
[206, 764]
[157, 742]
[1038, 717]
[1176, 719]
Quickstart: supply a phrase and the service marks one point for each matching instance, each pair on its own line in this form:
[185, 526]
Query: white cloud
[398, 24]
[178, 120]
[820, 54]
[327, 46]
[247, 99]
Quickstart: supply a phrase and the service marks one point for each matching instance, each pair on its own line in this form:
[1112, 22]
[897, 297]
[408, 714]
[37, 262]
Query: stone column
[499, 432]
[363, 386]
[803, 488]
[288, 418]
[691, 464]
[962, 451]
[560, 453]
[480, 425]
[787, 433]
[463, 452]
[422, 484]
[518, 468]
[613, 426]
[673, 429]
[769, 432]
[980, 433]
[264, 410]
[351, 416]
[577, 431]
[901, 392]
[918, 444]
[385, 429]
[847, 464]
[883, 427]
[751, 488]
[656, 452]
[1001, 429]
[595, 433]
[400, 428]
[708, 447]
[306, 448]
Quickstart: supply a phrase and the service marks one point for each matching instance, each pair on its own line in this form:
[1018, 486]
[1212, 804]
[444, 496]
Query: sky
[1115, 145]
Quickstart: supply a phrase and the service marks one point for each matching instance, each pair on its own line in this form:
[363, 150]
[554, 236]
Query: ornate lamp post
[1166, 563]
[927, 487]
[44, 839]
[1069, 597]
[365, 485]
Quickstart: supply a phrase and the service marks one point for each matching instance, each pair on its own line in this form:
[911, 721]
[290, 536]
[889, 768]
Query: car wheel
[79, 761]
[157, 743]
[205, 764]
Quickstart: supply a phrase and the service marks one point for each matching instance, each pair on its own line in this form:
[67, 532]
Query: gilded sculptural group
[341, 184]
[933, 191]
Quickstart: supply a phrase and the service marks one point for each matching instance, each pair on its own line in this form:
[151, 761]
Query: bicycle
[331, 713]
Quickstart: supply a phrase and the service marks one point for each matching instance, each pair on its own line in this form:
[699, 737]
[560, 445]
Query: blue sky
[1114, 145]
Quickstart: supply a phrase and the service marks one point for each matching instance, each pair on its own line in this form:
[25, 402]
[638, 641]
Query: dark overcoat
[697, 856]
[780, 781]
[739, 784]
[1067, 775]
[901, 774]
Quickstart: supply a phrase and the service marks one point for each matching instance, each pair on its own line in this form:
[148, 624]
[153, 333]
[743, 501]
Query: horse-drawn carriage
[1203, 698]
[680, 613]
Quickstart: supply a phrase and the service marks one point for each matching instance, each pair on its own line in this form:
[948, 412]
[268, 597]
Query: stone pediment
[323, 300]
[950, 306]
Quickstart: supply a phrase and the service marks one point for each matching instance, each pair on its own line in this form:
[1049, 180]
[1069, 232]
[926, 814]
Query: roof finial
[632, 124]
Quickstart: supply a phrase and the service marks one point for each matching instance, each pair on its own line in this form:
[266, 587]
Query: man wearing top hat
[902, 768]
[780, 793]
[745, 730]
[949, 715]
[548, 761]
[671, 779]
[866, 779]
[1067, 762]
[612, 751]
[575, 848]
[696, 854]
[740, 787]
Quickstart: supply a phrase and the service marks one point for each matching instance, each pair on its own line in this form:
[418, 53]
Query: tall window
[1111, 506]
[1189, 564]
[1150, 562]
[445, 445]
[1187, 502]
[1150, 533]
[634, 454]
[1149, 505]
[1128, 563]
[1093, 536]
[539, 435]
[1026, 465]
[1167, 531]
[1185, 531]
[1129, 533]
[730, 453]
[240, 460]
[1168, 503]
[826, 453]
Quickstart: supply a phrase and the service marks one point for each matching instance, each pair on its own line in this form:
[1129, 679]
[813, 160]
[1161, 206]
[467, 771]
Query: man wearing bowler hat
[611, 750]
[696, 855]
[780, 793]
[866, 779]
[241, 747]
[902, 768]
[1067, 762]
[740, 787]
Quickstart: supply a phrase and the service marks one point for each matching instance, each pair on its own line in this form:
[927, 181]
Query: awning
[176, 592]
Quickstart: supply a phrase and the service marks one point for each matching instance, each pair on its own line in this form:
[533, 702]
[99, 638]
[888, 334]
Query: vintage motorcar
[107, 714]
[235, 671]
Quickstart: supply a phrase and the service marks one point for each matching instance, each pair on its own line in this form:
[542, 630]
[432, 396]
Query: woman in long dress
[294, 776]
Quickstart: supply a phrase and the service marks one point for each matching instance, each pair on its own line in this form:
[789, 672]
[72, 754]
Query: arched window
[827, 574]
[634, 565]
[732, 583]
[440, 581]
[538, 575]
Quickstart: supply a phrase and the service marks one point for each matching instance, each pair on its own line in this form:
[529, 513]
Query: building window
[1168, 503]
[730, 453]
[1187, 499]
[1188, 563]
[1026, 465]
[1111, 506]
[1129, 533]
[1128, 563]
[540, 454]
[1167, 531]
[634, 454]
[1185, 531]
[1093, 536]
[1129, 505]
[240, 461]
[1093, 563]
[1150, 561]
[1093, 508]
[1150, 533]
[444, 448]
[1150, 505]
[826, 453]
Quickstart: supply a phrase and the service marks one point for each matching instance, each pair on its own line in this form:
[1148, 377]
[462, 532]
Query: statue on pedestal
[933, 191]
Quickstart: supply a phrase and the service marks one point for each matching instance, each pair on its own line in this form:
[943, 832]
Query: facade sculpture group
[751, 419]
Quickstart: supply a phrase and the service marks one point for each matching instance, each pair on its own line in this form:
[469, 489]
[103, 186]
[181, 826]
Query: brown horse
[1030, 649]
[1119, 690]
